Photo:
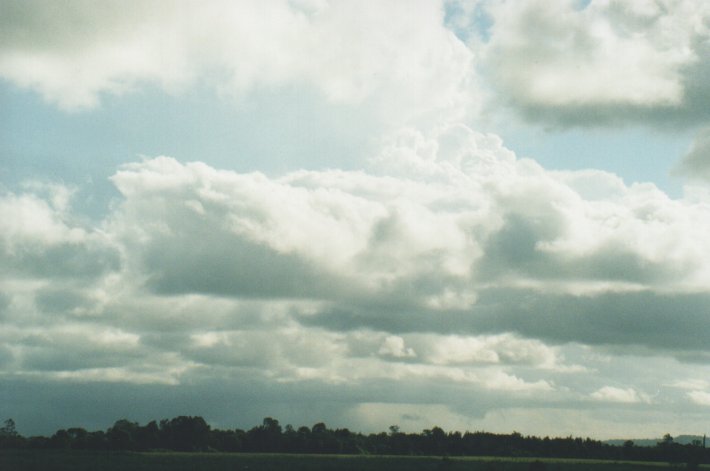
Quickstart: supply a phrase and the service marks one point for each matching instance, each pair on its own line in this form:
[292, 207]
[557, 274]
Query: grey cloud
[159, 318]
[4, 304]
[36, 24]
[165, 340]
[676, 323]
[387, 318]
[41, 406]
[237, 399]
[81, 261]
[60, 300]
[696, 80]
[58, 351]
[542, 60]
[259, 356]
[228, 399]
[214, 262]
[691, 114]
[514, 249]
[60, 358]
[696, 163]
[6, 356]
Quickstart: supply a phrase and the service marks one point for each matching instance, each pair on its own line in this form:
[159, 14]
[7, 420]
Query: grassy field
[54, 460]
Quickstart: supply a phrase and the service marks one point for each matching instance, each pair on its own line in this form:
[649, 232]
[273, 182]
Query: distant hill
[682, 439]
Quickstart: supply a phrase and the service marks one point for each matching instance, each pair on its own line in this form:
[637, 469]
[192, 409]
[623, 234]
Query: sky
[473, 214]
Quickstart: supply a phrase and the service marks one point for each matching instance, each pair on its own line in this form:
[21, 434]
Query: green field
[54, 460]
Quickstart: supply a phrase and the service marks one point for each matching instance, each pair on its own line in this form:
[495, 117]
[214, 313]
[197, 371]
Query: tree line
[194, 434]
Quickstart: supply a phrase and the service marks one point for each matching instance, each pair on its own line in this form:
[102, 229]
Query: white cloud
[394, 56]
[394, 346]
[39, 236]
[503, 349]
[700, 397]
[28, 219]
[622, 395]
[691, 384]
[607, 60]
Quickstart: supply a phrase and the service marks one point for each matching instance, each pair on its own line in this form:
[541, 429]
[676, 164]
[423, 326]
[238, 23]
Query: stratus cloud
[395, 56]
[605, 61]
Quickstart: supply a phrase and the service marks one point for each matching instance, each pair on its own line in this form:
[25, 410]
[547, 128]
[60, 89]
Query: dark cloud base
[677, 323]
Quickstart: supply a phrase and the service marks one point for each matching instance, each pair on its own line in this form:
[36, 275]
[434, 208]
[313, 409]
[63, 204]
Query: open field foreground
[53, 460]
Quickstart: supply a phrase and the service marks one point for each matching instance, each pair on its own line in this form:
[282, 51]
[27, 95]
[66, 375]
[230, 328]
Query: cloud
[447, 283]
[606, 61]
[696, 163]
[614, 394]
[446, 226]
[700, 397]
[691, 384]
[483, 350]
[449, 269]
[39, 238]
[394, 57]
[556, 62]
[394, 346]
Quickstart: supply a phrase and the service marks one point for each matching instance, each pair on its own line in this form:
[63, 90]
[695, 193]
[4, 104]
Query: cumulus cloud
[394, 56]
[39, 237]
[448, 233]
[449, 262]
[602, 61]
[448, 279]
[558, 62]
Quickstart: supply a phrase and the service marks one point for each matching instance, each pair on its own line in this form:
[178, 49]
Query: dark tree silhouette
[187, 433]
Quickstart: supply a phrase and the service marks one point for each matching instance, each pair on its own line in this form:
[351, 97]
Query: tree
[628, 450]
[123, 434]
[186, 433]
[78, 438]
[9, 438]
[148, 436]
[271, 434]
[8, 429]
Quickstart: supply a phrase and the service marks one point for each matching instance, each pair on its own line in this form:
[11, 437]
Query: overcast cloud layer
[446, 282]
